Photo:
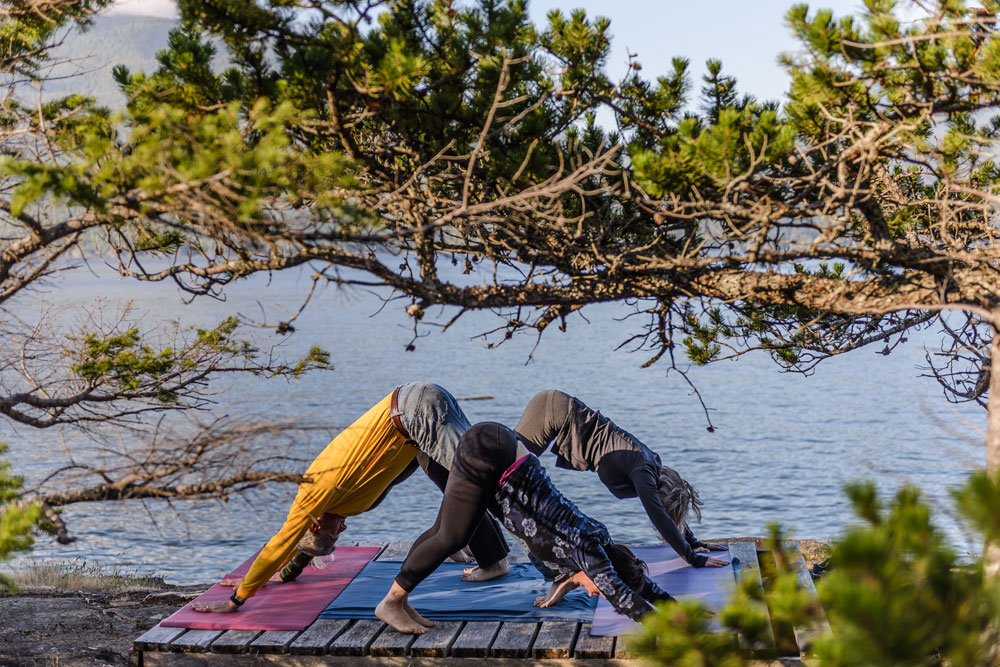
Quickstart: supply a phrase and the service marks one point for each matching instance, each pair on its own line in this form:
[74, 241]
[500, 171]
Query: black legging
[487, 543]
[484, 452]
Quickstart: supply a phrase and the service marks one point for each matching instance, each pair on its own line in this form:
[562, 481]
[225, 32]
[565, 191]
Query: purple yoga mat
[292, 606]
[709, 585]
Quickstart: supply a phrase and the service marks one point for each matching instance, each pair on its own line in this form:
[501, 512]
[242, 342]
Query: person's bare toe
[397, 617]
[498, 569]
[463, 556]
[418, 618]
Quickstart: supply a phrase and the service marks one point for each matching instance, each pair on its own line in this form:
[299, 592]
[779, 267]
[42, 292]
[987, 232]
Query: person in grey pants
[584, 439]
[431, 420]
[434, 422]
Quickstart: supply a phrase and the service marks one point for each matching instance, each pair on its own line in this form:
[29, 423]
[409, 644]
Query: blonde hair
[678, 496]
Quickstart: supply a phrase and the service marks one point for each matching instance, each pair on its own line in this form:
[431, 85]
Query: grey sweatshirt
[584, 439]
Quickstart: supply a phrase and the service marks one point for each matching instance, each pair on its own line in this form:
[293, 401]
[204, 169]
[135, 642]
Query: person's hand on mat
[215, 607]
[556, 593]
[715, 562]
[711, 546]
[463, 556]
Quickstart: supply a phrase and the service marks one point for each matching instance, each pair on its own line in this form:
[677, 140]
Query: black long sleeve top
[565, 539]
[584, 439]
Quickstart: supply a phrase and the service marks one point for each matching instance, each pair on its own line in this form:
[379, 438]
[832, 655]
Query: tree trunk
[993, 404]
[991, 552]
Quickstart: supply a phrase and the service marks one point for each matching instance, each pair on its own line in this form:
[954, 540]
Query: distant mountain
[118, 39]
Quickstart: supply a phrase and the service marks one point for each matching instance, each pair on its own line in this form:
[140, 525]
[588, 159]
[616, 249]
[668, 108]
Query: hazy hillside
[112, 40]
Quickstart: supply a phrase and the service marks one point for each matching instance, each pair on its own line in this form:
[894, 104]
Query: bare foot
[418, 618]
[498, 569]
[395, 615]
[464, 555]
[556, 593]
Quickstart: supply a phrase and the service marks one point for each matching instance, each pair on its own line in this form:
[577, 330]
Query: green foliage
[732, 137]
[316, 358]
[159, 241]
[16, 522]
[446, 130]
[719, 91]
[978, 501]
[219, 338]
[421, 76]
[28, 30]
[793, 335]
[123, 360]
[123, 364]
[678, 633]
[711, 154]
[701, 346]
[897, 593]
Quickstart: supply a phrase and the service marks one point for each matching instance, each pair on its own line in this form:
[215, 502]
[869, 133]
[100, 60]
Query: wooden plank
[274, 641]
[748, 574]
[475, 639]
[234, 641]
[194, 641]
[315, 639]
[555, 639]
[395, 551]
[392, 643]
[216, 660]
[358, 638]
[807, 634]
[514, 640]
[592, 648]
[157, 638]
[435, 642]
[623, 651]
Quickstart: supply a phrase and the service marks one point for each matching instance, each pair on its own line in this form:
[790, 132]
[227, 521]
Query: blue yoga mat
[443, 596]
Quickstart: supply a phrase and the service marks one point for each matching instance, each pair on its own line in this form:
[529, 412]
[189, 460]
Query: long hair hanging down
[677, 495]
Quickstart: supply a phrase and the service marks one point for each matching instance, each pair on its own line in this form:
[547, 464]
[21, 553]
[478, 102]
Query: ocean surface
[783, 447]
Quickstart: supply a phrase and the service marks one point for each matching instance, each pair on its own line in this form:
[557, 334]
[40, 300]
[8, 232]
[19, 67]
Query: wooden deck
[342, 641]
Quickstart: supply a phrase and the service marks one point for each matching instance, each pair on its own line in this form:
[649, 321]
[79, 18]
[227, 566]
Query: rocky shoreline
[40, 627]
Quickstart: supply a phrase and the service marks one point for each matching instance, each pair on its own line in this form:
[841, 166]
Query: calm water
[784, 444]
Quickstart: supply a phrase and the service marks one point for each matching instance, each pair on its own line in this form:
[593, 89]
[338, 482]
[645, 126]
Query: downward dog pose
[584, 439]
[354, 473]
[493, 471]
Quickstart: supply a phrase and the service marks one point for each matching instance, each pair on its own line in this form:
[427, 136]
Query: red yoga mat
[291, 606]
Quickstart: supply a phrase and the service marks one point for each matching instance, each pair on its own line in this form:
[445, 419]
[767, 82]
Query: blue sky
[746, 35]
